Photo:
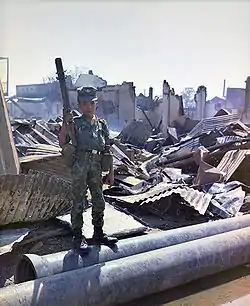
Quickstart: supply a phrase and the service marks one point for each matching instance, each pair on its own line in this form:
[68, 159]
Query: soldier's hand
[110, 178]
[68, 116]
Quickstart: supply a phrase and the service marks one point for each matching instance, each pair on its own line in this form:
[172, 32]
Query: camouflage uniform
[86, 171]
[92, 142]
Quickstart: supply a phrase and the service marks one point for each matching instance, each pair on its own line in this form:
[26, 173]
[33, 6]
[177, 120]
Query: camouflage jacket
[92, 135]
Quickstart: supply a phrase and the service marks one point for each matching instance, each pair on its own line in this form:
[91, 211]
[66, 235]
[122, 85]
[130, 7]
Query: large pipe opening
[25, 270]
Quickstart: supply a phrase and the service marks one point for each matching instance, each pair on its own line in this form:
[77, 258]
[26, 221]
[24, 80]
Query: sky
[187, 43]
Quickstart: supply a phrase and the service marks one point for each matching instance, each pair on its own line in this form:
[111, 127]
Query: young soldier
[92, 139]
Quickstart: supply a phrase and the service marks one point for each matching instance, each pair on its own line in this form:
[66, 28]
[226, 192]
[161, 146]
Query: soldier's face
[87, 108]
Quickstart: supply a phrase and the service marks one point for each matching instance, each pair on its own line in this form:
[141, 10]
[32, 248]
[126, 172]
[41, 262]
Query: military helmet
[86, 94]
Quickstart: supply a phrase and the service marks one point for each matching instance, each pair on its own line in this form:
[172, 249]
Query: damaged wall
[204, 108]
[29, 108]
[210, 109]
[213, 106]
[168, 109]
[116, 104]
[38, 90]
[235, 100]
[37, 101]
[153, 117]
[145, 108]
[246, 112]
[200, 99]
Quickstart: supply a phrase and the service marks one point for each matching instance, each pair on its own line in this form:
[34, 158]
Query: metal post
[8, 75]
[224, 89]
[6, 93]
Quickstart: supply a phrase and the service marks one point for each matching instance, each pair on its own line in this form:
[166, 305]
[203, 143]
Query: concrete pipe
[32, 266]
[126, 279]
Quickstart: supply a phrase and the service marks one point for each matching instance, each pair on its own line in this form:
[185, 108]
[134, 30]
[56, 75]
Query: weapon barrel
[61, 78]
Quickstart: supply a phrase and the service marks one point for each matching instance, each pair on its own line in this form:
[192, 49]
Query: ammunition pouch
[106, 161]
[69, 154]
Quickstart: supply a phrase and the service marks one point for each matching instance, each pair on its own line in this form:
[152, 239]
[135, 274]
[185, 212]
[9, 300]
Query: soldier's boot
[79, 242]
[100, 237]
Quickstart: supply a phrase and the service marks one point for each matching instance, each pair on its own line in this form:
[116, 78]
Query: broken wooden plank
[9, 163]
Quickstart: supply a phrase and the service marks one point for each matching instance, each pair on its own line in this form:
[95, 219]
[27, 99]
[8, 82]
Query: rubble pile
[200, 173]
[207, 170]
[185, 176]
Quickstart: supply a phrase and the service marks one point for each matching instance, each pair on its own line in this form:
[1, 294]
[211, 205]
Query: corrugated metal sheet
[32, 197]
[196, 199]
[226, 139]
[159, 188]
[231, 161]
[52, 164]
[192, 144]
[209, 124]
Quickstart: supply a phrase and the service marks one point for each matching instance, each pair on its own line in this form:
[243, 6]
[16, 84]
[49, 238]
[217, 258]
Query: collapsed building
[119, 105]
[235, 101]
[157, 144]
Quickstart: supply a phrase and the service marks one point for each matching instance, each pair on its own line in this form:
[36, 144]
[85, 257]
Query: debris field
[162, 183]
[184, 176]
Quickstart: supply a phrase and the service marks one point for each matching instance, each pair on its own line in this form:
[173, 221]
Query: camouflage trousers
[86, 173]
